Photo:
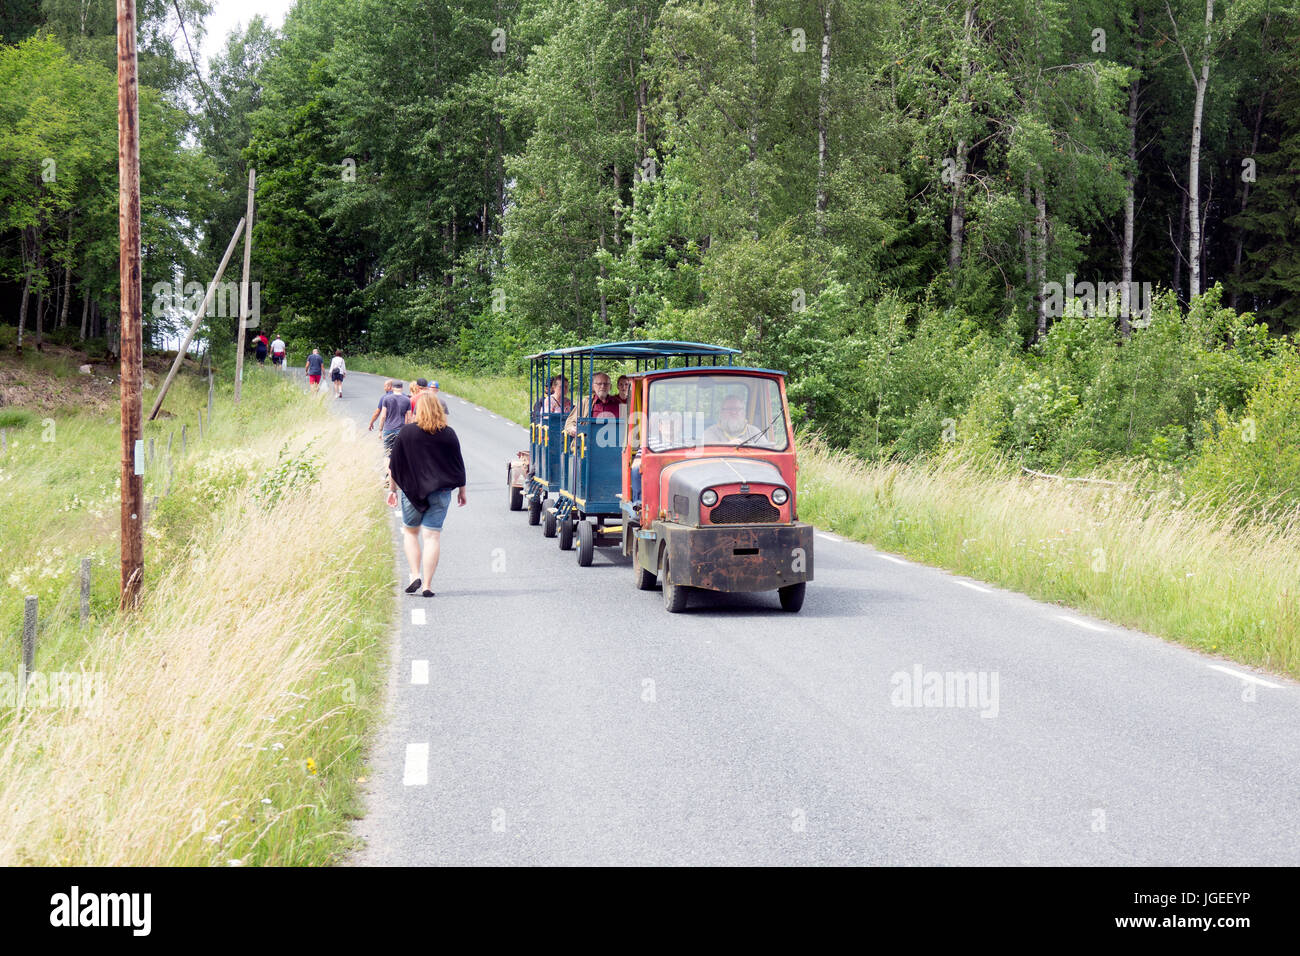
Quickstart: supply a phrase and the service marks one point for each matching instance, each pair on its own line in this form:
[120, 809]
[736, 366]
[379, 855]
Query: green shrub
[16, 417]
[1252, 462]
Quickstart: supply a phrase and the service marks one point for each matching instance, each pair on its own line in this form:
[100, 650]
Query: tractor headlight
[780, 496]
[709, 498]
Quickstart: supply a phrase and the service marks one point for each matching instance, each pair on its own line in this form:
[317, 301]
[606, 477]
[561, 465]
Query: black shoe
[413, 586]
[426, 593]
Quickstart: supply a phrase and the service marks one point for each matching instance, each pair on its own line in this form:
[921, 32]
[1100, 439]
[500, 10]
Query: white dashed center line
[419, 672]
[417, 615]
[416, 773]
[1078, 623]
[1248, 678]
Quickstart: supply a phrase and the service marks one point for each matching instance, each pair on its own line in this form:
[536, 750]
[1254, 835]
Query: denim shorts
[439, 502]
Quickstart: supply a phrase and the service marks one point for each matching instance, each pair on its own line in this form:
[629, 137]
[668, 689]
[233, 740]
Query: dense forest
[1065, 230]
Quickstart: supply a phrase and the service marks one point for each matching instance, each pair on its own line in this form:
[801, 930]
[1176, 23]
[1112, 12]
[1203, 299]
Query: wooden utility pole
[243, 288]
[194, 325]
[132, 346]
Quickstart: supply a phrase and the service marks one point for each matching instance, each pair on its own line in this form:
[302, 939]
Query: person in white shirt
[337, 372]
[277, 352]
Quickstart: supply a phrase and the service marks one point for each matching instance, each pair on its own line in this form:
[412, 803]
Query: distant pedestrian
[388, 390]
[260, 346]
[434, 388]
[277, 352]
[426, 465]
[392, 410]
[338, 372]
[315, 365]
[418, 386]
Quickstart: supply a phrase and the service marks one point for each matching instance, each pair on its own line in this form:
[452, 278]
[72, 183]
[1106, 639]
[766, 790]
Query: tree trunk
[1194, 165]
[1126, 253]
[85, 313]
[1027, 237]
[1178, 250]
[823, 115]
[957, 224]
[1245, 196]
[22, 312]
[1040, 224]
[67, 296]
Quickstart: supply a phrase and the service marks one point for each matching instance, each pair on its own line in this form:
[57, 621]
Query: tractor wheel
[516, 498]
[586, 543]
[549, 525]
[676, 596]
[792, 596]
[645, 580]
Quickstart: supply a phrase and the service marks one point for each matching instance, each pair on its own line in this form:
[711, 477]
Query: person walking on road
[338, 372]
[260, 346]
[425, 467]
[315, 365]
[434, 388]
[277, 352]
[379, 407]
[392, 410]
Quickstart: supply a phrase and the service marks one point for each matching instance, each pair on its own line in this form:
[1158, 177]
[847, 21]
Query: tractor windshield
[687, 411]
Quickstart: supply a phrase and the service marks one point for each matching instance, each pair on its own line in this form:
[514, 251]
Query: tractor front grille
[745, 509]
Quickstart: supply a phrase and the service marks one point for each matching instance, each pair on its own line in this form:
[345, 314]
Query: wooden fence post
[200, 424]
[182, 441]
[85, 591]
[29, 641]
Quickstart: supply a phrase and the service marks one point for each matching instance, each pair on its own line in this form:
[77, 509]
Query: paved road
[546, 713]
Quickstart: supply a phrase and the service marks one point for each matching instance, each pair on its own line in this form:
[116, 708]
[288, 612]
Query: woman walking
[338, 371]
[424, 467]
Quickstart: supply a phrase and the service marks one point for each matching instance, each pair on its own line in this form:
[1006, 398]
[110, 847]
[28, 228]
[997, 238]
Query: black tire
[516, 499]
[645, 580]
[534, 512]
[549, 525]
[792, 596]
[586, 544]
[566, 534]
[676, 596]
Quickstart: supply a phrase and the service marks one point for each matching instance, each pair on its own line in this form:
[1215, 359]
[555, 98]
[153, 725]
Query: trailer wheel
[645, 580]
[566, 534]
[586, 544]
[792, 596]
[548, 526]
[534, 512]
[676, 596]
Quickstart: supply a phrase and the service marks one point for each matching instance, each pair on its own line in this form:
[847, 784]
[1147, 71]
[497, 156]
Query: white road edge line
[419, 672]
[828, 536]
[416, 771]
[417, 615]
[975, 587]
[1078, 623]
[890, 557]
[1248, 678]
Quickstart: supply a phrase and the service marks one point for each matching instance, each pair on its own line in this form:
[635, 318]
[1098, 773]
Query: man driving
[732, 427]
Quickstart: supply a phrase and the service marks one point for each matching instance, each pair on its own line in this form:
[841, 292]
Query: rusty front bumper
[738, 557]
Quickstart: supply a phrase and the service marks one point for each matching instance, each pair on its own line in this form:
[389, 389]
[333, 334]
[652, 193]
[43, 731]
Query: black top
[424, 462]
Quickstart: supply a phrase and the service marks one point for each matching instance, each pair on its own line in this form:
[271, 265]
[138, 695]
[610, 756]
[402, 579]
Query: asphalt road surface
[543, 713]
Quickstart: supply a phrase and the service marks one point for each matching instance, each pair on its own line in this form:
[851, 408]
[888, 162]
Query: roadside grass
[1139, 559]
[507, 395]
[233, 704]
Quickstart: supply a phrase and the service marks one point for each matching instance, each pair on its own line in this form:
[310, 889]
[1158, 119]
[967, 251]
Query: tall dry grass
[1212, 580]
[234, 701]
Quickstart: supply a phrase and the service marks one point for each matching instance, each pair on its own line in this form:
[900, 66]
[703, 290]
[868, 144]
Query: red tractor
[709, 497]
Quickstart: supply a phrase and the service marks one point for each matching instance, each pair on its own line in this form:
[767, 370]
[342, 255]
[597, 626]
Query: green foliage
[16, 417]
[291, 473]
[1252, 461]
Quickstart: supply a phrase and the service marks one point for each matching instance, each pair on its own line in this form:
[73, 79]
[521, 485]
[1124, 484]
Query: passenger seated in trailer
[599, 404]
[554, 401]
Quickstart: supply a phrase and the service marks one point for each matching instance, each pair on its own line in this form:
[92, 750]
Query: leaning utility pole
[243, 289]
[132, 346]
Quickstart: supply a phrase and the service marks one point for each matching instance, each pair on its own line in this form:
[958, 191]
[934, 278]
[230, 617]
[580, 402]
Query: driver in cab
[732, 427]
